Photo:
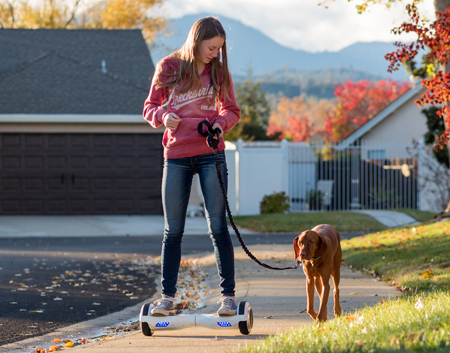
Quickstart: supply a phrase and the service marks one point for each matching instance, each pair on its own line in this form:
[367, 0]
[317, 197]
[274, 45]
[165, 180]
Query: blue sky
[302, 24]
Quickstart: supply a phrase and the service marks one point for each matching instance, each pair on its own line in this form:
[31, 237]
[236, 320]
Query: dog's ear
[296, 247]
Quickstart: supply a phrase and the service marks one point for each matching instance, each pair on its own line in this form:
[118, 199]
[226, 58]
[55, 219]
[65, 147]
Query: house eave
[380, 117]
[73, 118]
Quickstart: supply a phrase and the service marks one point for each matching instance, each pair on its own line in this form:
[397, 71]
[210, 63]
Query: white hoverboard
[243, 320]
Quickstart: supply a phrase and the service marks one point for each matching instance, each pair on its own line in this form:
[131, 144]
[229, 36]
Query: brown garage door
[80, 174]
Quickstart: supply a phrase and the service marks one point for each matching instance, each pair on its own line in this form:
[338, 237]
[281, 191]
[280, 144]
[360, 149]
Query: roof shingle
[59, 71]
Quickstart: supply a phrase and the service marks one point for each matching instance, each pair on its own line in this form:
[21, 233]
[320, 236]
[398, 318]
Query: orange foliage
[299, 118]
[357, 103]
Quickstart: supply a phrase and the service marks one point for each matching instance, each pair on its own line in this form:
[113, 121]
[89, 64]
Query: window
[376, 154]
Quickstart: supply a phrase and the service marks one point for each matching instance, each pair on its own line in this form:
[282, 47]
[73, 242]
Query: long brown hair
[205, 28]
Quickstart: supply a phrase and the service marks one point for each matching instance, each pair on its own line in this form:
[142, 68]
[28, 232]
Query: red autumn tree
[297, 119]
[300, 127]
[357, 103]
[275, 132]
[436, 38]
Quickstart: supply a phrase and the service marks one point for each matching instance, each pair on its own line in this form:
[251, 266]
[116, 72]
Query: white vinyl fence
[321, 177]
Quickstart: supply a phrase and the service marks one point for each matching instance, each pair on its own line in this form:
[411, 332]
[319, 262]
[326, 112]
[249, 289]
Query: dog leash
[212, 140]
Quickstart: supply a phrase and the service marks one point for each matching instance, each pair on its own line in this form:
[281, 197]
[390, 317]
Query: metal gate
[370, 175]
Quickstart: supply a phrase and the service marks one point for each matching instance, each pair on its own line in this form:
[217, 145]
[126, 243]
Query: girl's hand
[171, 120]
[217, 126]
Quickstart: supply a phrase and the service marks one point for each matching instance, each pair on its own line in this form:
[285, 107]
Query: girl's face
[209, 49]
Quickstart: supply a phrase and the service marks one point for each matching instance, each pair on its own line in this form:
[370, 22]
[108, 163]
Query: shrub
[277, 202]
[315, 199]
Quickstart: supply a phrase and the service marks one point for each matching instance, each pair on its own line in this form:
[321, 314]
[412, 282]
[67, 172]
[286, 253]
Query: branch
[11, 11]
[74, 10]
[366, 3]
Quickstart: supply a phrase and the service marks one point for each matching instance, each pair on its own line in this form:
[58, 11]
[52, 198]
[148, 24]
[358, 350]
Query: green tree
[255, 112]
[109, 14]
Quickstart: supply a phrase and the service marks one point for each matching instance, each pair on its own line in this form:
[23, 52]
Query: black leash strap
[222, 186]
[212, 136]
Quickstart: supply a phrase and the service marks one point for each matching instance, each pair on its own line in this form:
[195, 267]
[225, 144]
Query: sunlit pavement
[278, 299]
[37, 263]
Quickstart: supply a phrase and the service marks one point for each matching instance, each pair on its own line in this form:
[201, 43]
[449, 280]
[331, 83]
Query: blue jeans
[176, 188]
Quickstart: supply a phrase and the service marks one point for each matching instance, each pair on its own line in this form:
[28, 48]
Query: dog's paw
[313, 314]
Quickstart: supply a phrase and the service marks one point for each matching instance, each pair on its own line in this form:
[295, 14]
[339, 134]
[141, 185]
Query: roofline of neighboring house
[73, 118]
[380, 116]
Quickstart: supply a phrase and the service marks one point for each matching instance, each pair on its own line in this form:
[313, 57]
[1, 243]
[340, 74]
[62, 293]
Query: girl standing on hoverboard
[194, 84]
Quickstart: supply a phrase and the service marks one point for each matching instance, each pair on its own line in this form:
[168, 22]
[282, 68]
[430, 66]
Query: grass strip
[297, 222]
[416, 260]
[392, 326]
[414, 257]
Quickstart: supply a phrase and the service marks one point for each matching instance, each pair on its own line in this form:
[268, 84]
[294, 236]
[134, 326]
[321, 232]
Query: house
[72, 137]
[400, 123]
[391, 146]
[374, 168]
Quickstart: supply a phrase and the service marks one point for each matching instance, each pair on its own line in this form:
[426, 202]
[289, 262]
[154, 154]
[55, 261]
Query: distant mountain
[248, 46]
[320, 83]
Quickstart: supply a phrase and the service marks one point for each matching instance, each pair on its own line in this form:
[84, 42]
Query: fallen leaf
[353, 294]
[419, 305]
[427, 274]
[68, 344]
[40, 350]
[349, 318]
[268, 317]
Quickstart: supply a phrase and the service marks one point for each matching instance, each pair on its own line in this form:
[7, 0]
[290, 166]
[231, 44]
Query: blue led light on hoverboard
[224, 324]
[162, 324]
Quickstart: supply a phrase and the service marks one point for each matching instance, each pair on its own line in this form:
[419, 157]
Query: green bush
[315, 199]
[277, 202]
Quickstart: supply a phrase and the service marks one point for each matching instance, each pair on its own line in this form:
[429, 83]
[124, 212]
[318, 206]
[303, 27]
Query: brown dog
[319, 249]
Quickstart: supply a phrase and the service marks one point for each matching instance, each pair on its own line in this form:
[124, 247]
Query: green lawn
[296, 222]
[421, 216]
[415, 259]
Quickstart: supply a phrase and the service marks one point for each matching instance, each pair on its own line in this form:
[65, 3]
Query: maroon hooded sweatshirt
[192, 107]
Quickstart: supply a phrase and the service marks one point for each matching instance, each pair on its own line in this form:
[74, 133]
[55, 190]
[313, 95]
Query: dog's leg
[322, 316]
[337, 306]
[310, 297]
[336, 279]
[318, 285]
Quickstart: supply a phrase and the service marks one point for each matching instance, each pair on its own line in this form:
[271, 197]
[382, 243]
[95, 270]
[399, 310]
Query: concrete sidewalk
[389, 218]
[68, 226]
[278, 299]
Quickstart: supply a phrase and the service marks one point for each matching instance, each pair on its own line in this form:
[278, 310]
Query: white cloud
[302, 24]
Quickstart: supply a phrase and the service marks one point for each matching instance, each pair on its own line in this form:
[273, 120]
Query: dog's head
[306, 245]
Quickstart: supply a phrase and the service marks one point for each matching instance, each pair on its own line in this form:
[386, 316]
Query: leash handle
[236, 230]
[212, 135]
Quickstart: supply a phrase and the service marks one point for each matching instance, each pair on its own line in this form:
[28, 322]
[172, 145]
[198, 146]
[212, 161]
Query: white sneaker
[163, 307]
[228, 307]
